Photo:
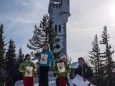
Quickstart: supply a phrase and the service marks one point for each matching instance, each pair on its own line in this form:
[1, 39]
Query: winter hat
[81, 58]
[63, 57]
[26, 56]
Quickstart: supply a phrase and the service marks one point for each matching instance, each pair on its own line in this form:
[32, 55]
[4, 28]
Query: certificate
[44, 58]
[78, 80]
[28, 71]
[61, 67]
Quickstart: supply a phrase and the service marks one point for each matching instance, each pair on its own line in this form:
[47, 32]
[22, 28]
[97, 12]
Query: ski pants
[28, 81]
[43, 78]
[61, 81]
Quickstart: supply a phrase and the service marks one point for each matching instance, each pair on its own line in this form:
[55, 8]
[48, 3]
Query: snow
[51, 82]
[36, 79]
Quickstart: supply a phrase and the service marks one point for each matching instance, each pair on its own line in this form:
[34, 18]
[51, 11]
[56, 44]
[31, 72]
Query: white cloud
[87, 19]
[19, 19]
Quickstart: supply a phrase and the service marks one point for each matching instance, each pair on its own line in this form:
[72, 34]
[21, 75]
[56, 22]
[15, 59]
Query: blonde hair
[47, 45]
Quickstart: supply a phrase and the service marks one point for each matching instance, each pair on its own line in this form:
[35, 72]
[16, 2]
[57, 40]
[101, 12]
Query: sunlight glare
[112, 11]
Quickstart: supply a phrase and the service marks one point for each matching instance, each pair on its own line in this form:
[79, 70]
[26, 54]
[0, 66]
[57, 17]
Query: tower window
[56, 6]
[55, 28]
[68, 2]
[59, 28]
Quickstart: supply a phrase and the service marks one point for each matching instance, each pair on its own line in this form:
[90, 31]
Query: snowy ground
[51, 82]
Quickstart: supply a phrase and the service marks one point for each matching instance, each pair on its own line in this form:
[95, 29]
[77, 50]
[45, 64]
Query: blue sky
[19, 18]
[87, 19]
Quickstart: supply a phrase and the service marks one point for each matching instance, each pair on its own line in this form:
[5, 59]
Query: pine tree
[19, 60]
[36, 41]
[95, 59]
[44, 34]
[48, 33]
[10, 63]
[2, 59]
[49, 36]
[20, 57]
[107, 57]
[44, 24]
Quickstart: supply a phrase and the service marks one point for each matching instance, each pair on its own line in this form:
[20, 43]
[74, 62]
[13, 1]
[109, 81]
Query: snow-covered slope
[51, 81]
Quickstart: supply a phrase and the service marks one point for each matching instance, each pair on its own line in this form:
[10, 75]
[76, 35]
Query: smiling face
[29, 58]
[81, 61]
[45, 47]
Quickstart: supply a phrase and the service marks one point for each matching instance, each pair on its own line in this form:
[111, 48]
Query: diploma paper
[44, 58]
[29, 73]
[61, 67]
[78, 80]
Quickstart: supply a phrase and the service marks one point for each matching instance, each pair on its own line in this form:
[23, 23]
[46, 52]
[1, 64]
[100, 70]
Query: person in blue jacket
[45, 59]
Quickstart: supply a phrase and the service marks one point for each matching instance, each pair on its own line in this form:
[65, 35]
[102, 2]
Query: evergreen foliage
[10, 64]
[95, 58]
[20, 56]
[2, 59]
[19, 60]
[108, 57]
[102, 61]
[44, 34]
[36, 41]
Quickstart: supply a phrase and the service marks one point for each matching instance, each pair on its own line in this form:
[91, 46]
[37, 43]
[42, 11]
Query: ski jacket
[26, 63]
[84, 71]
[50, 58]
[62, 74]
